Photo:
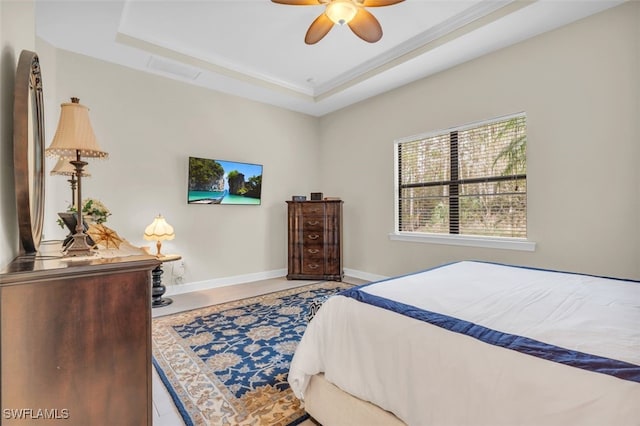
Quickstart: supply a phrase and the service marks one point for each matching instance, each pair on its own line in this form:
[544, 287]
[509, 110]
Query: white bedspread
[427, 375]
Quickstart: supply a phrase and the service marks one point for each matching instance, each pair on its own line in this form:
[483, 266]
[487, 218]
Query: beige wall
[579, 87]
[17, 32]
[150, 125]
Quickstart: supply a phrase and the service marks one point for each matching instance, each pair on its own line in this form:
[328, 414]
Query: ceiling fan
[350, 12]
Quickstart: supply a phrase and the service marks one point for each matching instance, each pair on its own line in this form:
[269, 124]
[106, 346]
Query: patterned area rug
[227, 364]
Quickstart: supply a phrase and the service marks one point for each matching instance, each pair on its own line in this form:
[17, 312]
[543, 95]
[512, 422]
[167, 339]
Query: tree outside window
[469, 180]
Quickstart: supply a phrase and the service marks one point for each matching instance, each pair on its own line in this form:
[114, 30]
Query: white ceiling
[255, 48]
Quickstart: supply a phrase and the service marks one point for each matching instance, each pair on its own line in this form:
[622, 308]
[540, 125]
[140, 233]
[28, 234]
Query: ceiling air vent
[171, 67]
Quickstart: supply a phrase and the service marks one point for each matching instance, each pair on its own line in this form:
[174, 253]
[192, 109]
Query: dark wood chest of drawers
[315, 240]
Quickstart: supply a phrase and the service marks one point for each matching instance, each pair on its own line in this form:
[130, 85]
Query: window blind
[469, 180]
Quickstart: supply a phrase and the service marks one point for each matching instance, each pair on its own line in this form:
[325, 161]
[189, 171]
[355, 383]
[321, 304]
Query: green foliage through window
[469, 180]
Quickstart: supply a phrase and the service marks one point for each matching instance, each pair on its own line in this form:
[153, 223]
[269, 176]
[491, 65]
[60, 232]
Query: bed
[474, 343]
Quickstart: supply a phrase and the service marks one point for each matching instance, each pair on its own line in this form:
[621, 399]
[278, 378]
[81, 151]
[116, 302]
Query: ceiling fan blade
[380, 3]
[318, 29]
[298, 2]
[366, 26]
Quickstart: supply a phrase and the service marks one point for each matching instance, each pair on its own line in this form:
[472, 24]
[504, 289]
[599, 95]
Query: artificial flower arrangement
[93, 211]
[94, 214]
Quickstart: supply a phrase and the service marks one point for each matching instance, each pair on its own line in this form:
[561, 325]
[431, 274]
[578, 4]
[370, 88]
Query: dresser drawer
[313, 209]
[312, 238]
[313, 252]
[310, 266]
[313, 223]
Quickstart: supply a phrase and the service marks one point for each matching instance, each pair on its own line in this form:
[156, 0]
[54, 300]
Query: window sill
[466, 240]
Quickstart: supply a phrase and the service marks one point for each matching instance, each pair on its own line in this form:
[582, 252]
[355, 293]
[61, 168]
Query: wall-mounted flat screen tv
[223, 182]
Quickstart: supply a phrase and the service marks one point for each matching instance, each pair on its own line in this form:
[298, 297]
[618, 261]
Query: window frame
[509, 243]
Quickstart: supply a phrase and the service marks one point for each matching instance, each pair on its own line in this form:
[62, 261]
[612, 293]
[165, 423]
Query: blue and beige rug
[227, 364]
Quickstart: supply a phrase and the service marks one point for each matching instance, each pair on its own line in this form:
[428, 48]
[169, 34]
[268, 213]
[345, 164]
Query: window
[470, 180]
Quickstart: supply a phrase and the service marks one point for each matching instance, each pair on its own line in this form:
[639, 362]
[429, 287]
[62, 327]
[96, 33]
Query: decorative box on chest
[315, 240]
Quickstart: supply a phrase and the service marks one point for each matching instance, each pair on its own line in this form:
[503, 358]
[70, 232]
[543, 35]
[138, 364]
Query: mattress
[474, 343]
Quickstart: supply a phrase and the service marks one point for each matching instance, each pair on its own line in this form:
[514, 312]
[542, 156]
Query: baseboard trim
[363, 275]
[223, 282]
[174, 289]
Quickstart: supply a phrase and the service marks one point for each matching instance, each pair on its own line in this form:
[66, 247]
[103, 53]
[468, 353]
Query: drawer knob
[314, 266]
[314, 236]
[313, 251]
[314, 223]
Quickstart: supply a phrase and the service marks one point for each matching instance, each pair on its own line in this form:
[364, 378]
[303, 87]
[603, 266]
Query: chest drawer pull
[313, 251]
[313, 266]
[314, 236]
[313, 223]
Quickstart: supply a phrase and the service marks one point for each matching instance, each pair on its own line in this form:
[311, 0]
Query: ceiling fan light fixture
[341, 12]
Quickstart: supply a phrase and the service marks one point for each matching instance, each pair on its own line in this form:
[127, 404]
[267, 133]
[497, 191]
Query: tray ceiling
[255, 48]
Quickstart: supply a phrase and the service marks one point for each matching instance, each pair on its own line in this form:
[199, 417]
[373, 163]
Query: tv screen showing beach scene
[223, 182]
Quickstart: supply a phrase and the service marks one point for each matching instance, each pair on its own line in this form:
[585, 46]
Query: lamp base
[158, 289]
[78, 246]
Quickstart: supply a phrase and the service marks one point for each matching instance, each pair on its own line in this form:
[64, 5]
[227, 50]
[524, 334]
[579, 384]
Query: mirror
[28, 151]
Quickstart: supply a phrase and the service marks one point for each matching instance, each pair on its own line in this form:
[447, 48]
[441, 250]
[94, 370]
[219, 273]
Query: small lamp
[73, 140]
[159, 231]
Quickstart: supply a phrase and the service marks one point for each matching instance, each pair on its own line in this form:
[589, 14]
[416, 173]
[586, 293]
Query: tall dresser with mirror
[315, 240]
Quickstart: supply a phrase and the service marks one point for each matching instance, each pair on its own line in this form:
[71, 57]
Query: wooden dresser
[315, 240]
[76, 341]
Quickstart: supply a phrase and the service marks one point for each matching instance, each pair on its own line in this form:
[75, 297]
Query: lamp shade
[159, 230]
[64, 168]
[74, 133]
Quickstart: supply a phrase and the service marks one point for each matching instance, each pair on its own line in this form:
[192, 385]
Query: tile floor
[164, 410]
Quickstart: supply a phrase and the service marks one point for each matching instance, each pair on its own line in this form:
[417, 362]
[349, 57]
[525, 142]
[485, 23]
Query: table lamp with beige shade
[160, 231]
[74, 139]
